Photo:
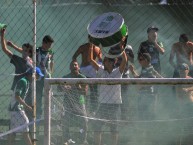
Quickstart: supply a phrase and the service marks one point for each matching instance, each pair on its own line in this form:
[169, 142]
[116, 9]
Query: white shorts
[88, 71]
[19, 118]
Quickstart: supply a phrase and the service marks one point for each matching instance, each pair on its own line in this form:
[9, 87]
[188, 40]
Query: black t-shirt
[148, 47]
[20, 68]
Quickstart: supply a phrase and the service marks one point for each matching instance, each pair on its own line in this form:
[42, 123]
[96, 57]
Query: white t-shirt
[109, 94]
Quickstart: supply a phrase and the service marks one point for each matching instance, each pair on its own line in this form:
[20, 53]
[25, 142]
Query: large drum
[107, 29]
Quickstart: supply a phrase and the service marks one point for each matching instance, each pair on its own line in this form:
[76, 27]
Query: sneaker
[70, 141]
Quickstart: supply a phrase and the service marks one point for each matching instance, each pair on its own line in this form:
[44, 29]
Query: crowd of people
[115, 97]
[21, 103]
[110, 98]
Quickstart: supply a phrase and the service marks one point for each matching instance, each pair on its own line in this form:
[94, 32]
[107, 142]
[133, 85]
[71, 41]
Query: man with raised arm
[109, 95]
[21, 63]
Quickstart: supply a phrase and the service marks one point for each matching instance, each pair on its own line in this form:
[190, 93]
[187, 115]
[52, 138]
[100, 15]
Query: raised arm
[4, 45]
[124, 58]
[100, 56]
[159, 47]
[77, 53]
[91, 60]
[17, 48]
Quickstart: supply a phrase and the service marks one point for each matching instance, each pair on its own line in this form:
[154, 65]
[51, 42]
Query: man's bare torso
[183, 53]
[85, 53]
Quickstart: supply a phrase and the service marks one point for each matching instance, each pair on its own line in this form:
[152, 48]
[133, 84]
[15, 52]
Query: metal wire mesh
[67, 20]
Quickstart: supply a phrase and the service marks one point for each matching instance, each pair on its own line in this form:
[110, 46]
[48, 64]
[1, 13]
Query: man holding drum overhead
[108, 102]
[108, 31]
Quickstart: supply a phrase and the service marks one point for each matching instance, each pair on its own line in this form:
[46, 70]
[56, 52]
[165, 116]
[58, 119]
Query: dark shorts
[107, 114]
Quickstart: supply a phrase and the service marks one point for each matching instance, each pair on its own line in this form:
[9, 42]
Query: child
[147, 96]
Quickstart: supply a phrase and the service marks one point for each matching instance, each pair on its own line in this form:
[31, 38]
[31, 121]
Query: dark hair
[113, 60]
[48, 39]
[29, 47]
[146, 56]
[183, 38]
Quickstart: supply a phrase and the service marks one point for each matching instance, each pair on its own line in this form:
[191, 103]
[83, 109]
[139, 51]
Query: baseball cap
[183, 66]
[152, 28]
[38, 71]
[48, 39]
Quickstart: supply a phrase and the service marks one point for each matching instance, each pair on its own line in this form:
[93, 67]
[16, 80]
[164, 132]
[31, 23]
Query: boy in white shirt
[109, 95]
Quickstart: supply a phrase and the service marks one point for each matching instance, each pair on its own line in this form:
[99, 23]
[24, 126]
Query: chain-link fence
[66, 22]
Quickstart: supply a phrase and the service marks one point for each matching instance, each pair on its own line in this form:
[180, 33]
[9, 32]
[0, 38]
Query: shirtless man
[88, 70]
[182, 50]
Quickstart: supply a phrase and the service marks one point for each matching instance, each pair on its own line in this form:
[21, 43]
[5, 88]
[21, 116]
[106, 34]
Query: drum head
[107, 29]
[105, 25]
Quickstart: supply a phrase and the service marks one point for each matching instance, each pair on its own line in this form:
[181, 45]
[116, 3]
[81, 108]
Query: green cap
[2, 26]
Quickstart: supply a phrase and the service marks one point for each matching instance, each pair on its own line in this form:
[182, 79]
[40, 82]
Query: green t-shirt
[74, 99]
[21, 89]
